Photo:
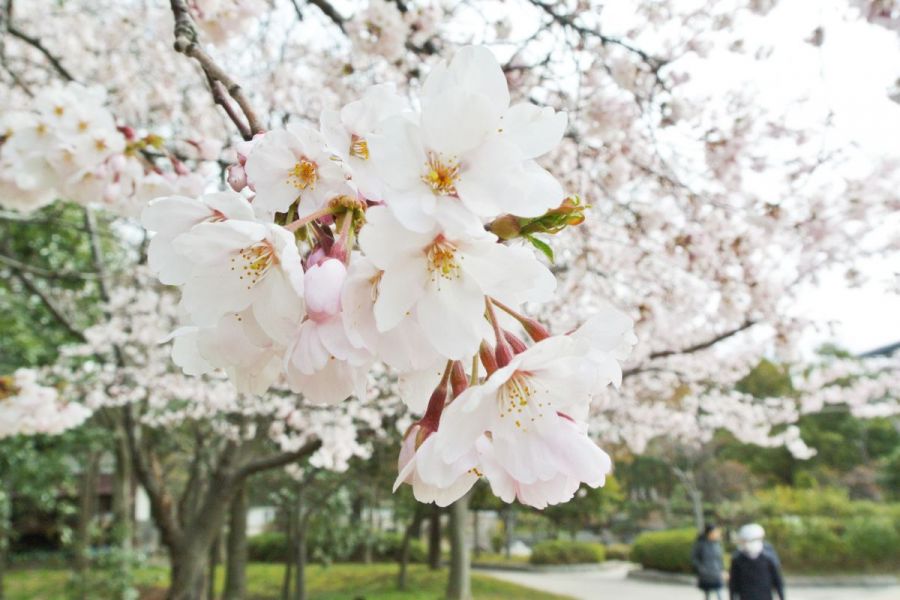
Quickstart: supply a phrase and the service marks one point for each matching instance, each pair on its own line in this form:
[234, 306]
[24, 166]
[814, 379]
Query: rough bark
[290, 558]
[459, 580]
[236, 569]
[213, 563]
[434, 539]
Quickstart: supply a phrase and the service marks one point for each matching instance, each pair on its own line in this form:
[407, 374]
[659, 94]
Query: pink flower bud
[237, 177]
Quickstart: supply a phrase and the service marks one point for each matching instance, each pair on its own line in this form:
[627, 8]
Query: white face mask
[753, 548]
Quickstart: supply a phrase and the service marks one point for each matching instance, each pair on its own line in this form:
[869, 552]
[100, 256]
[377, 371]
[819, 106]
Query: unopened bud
[458, 380]
[237, 177]
[506, 227]
[534, 329]
[515, 343]
[503, 353]
[432, 416]
[486, 353]
[127, 131]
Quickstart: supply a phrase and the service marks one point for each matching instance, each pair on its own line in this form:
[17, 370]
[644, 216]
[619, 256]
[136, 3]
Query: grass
[337, 582]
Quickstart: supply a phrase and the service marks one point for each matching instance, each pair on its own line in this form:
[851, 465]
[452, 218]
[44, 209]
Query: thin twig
[51, 307]
[186, 43]
[44, 273]
[34, 43]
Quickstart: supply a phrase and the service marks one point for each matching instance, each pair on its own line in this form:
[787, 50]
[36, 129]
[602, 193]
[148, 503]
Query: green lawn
[337, 582]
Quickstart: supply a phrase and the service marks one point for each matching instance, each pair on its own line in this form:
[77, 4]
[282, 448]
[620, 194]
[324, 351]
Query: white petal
[450, 315]
[401, 286]
[511, 274]
[533, 129]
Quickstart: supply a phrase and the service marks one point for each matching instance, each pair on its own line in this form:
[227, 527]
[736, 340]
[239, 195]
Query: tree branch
[691, 349]
[276, 460]
[34, 43]
[49, 304]
[328, 10]
[44, 273]
[186, 43]
[568, 21]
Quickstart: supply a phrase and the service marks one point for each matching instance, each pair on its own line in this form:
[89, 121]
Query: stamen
[442, 261]
[304, 174]
[441, 175]
[359, 147]
[253, 262]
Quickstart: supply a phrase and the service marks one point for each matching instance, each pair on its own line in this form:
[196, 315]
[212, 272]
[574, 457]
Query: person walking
[755, 569]
[706, 556]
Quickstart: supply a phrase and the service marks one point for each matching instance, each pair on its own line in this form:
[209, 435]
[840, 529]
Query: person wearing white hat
[755, 570]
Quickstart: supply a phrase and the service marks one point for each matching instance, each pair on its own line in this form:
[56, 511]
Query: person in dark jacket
[706, 556]
[755, 568]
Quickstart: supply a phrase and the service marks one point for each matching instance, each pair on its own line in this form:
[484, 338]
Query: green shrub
[267, 547]
[618, 552]
[826, 544]
[665, 550]
[560, 552]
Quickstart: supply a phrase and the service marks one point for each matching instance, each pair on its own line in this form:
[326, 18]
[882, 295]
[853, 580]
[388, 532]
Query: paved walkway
[611, 584]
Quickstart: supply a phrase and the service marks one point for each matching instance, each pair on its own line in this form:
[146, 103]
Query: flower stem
[322, 212]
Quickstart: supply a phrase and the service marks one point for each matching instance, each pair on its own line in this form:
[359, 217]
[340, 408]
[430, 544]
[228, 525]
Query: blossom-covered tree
[346, 198]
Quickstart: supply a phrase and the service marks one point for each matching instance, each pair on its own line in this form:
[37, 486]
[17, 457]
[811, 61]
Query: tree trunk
[458, 580]
[476, 547]
[509, 520]
[5, 515]
[300, 566]
[187, 571]
[236, 569]
[290, 559]
[408, 536]
[213, 566]
[123, 511]
[434, 539]
[87, 507]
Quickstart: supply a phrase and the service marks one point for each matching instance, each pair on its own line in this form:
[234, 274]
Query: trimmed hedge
[272, 547]
[267, 547]
[826, 544]
[668, 550]
[561, 552]
[618, 552]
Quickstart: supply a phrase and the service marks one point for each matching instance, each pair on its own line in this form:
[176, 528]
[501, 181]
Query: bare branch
[328, 10]
[57, 314]
[568, 22]
[694, 348]
[34, 43]
[186, 43]
[276, 460]
[11, 262]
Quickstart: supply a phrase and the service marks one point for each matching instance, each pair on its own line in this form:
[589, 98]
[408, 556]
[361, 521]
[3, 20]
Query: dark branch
[276, 460]
[11, 262]
[49, 304]
[34, 43]
[568, 22]
[328, 10]
[694, 348]
[186, 43]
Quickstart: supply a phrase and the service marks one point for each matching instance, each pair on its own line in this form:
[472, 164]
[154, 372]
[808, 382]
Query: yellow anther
[304, 174]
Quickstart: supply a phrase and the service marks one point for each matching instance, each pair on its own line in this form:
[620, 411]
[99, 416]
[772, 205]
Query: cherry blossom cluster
[377, 237]
[29, 408]
[68, 145]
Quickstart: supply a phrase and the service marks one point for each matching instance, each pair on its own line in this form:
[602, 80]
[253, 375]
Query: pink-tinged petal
[534, 130]
[172, 215]
[450, 313]
[512, 274]
[308, 354]
[461, 428]
[401, 286]
[208, 296]
[230, 204]
[322, 284]
[502, 485]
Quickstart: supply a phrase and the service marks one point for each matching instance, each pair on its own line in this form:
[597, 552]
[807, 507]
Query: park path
[611, 584]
